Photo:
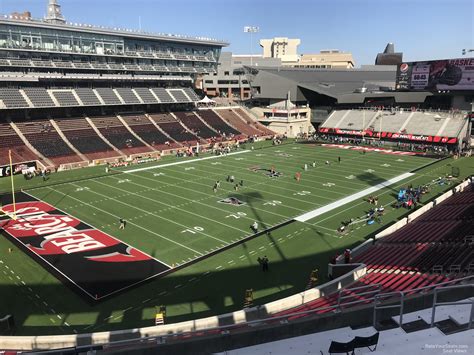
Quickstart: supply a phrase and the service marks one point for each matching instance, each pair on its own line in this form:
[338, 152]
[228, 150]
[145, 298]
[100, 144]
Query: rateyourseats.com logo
[449, 348]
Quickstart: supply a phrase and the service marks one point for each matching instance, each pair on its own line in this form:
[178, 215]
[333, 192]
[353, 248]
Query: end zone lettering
[95, 262]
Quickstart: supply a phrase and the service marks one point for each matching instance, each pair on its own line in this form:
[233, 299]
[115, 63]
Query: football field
[176, 220]
[173, 214]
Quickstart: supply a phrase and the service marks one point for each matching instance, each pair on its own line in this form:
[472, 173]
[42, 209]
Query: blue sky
[422, 29]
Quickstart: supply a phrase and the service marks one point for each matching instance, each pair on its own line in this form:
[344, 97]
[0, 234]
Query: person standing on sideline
[265, 263]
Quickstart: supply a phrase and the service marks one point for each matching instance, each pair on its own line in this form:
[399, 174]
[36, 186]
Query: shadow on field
[251, 197]
[216, 293]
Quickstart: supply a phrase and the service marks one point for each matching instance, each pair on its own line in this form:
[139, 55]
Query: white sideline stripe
[319, 211]
[185, 162]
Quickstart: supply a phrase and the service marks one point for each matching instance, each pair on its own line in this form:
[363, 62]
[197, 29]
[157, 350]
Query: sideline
[336, 204]
[184, 162]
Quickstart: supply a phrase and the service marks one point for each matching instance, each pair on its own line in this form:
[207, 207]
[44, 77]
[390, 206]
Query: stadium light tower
[251, 30]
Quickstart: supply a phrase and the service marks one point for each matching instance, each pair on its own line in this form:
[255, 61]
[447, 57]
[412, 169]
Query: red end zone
[92, 261]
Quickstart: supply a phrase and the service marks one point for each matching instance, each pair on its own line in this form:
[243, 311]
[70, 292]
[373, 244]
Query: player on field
[339, 160]
[254, 227]
[314, 164]
[123, 223]
[298, 176]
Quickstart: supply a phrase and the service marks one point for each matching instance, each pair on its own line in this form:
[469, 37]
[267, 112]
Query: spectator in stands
[347, 256]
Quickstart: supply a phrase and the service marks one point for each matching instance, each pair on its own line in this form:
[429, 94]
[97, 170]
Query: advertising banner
[17, 168]
[391, 135]
[436, 75]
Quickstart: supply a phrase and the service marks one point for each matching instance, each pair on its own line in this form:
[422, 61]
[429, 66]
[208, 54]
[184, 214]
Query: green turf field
[174, 215]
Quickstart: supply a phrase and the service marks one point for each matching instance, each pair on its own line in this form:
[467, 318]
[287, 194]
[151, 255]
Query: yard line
[251, 186]
[136, 225]
[373, 156]
[248, 173]
[184, 162]
[180, 209]
[338, 176]
[336, 204]
[289, 179]
[151, 213]
[204, 193]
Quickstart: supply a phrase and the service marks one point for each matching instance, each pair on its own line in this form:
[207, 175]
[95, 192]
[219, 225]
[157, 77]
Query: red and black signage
[5, 170]
[390, 135]
[94, 262]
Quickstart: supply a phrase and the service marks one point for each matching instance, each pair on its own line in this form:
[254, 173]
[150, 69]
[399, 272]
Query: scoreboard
[435, 75]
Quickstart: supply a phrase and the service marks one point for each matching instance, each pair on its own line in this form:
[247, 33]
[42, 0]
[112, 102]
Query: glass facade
[63, 44]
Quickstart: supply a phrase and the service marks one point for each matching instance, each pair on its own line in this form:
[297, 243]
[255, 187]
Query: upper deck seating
[39, 97]
[87, 96]
[108, 96]
[128, 96]
[12, 98]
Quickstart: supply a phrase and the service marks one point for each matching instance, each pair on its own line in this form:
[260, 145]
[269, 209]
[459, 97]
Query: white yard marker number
[302, 193]
[237, 215]
[272, 203]
[82, 189]
[193, 230]
[123, 181]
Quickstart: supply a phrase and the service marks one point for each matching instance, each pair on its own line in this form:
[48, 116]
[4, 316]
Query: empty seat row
[217, 123]
[193, 122]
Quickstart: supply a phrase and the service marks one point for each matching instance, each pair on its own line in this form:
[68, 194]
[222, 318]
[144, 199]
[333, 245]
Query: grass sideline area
[174, 215]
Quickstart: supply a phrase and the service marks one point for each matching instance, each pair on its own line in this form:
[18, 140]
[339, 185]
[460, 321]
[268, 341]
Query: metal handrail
[436, 304]
[341, 291]
[383, 295]
[227, 328]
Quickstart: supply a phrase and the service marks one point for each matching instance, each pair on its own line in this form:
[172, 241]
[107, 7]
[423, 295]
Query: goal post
[3, 212]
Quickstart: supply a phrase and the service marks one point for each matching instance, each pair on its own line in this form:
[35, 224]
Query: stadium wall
[219, 323]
